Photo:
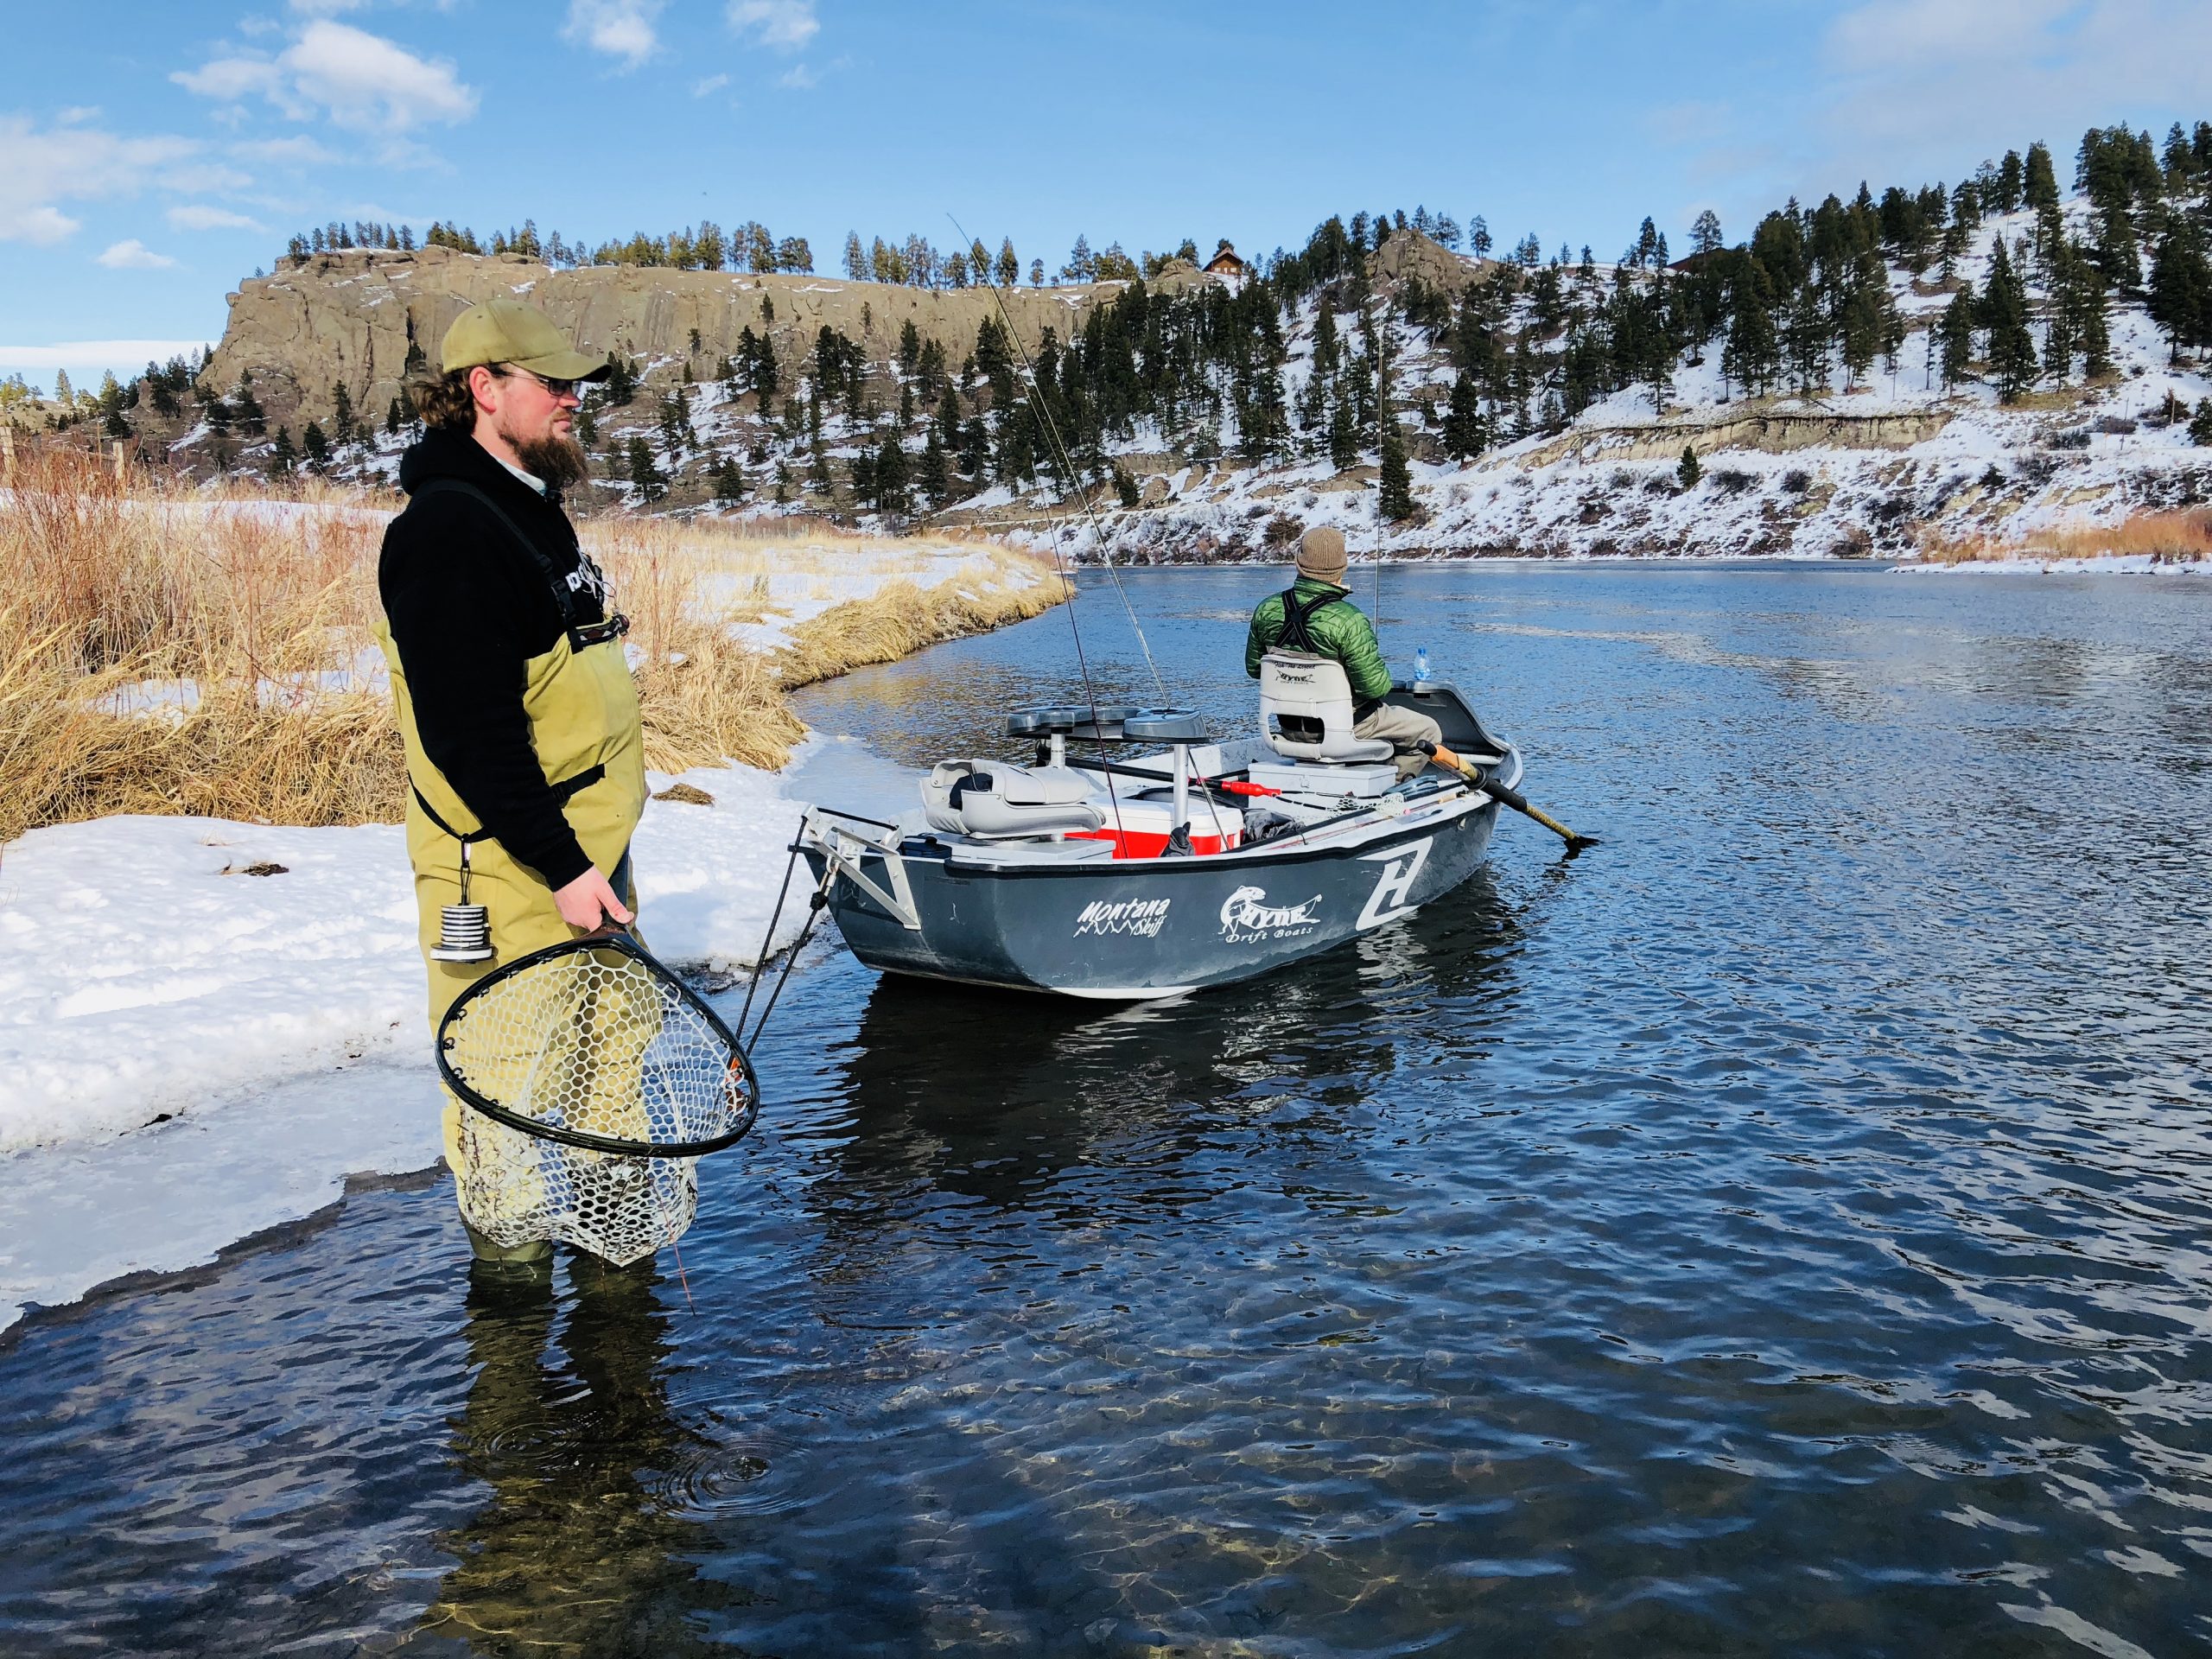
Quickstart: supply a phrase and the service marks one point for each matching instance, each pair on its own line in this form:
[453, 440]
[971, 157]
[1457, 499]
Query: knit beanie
[1321, 555]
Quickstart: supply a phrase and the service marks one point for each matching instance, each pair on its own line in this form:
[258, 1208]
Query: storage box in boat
[1140, 829]
[1361, 782]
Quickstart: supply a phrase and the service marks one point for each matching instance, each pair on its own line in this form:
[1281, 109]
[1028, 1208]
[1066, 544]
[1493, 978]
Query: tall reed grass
[167, 650]
[2169, 538]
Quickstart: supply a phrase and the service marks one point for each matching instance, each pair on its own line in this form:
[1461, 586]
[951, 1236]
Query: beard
[560, 461]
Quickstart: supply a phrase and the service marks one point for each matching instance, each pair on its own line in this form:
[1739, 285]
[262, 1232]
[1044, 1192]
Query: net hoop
[740, 1062]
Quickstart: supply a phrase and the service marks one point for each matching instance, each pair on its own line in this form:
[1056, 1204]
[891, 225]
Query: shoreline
[224, 1008]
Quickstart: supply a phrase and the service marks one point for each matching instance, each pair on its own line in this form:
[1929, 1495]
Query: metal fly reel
[464, 930]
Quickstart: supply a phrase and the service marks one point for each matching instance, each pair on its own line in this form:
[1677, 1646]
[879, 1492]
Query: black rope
[816, 903]
[769, 938]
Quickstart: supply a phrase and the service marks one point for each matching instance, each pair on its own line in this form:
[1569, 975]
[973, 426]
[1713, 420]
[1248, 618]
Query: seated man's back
[1317, 615]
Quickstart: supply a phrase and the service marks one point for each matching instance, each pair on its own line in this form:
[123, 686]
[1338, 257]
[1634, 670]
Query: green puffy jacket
[1338, 630]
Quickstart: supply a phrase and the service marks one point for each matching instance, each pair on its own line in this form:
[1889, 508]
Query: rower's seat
[1306, 711]
[996, 800]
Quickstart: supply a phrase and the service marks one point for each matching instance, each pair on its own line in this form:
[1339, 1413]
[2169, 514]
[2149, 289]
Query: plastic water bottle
[1420, 665]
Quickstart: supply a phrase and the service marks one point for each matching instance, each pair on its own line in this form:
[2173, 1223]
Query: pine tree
[341, 413]
[1343, 436]
[1704, 234]
[251, 416]
[1466, 433]
[2180, 284]
[392, 421]
[1805, 340]
[1751, 357]
[2040, 183]
[2061, 324]
[316, 448]
[2095, 326]
[283, 458]
[1397, 496]
[729, 481]
[2200, 423]
[65, 396]
[1688, 472]
[621, 381]
[1956, 331]
[935, 475]
[2004, 315]
[1009, 265]
[649, 480]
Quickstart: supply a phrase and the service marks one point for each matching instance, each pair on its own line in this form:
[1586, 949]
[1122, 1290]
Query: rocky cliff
[352, 318]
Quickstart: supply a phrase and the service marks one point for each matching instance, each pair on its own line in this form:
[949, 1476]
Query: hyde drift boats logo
[1141, 918]
[1247, 916]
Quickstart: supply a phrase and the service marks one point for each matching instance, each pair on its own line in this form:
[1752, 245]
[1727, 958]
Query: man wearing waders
[1317, 616]
[526, 759]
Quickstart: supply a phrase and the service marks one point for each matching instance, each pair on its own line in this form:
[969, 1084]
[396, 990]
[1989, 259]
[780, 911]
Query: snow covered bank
[2118, 564]
[254, 994]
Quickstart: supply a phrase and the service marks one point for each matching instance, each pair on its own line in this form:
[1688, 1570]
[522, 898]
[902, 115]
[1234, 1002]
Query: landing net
[596, 1078]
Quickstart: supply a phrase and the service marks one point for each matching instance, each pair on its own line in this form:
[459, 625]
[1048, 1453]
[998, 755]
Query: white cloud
[198, 216]
[618, 28]
[711, 84]
[799, 78]
[299, 150]
[1930, 86]
[76, 163]
[361, 81]
[327, 8]
[229, 79]
[780, 25]
[371, 84]
[134, 255]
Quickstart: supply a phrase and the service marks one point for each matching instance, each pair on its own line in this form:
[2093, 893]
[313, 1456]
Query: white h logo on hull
[1387, 902]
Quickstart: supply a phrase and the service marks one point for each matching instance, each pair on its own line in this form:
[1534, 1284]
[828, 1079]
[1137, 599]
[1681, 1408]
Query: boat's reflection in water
[1018, 1117]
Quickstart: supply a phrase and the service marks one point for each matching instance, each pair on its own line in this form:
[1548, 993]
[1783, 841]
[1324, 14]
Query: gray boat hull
[1133, 929]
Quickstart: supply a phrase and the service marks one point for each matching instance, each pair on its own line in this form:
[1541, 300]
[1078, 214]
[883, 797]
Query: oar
[1512, 798]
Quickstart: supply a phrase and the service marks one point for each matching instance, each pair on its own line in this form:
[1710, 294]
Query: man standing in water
[525, 751]
[1317, 616]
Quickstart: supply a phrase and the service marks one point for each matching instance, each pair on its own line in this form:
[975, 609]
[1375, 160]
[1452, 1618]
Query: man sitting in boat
[1317, 615]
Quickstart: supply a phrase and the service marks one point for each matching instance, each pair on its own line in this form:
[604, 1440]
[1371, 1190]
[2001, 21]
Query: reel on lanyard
[464, 930]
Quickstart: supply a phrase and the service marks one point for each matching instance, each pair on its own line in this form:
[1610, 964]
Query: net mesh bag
[597, 1079]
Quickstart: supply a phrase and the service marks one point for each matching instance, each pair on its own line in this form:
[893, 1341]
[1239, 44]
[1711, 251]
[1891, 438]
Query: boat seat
[995, 799]
[1306, 711]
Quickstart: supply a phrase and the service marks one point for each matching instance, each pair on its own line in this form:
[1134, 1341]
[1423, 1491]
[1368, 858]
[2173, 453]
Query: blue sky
[151, 154]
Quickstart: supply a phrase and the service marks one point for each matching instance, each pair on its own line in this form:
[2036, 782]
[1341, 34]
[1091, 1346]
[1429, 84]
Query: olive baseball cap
[507, 331]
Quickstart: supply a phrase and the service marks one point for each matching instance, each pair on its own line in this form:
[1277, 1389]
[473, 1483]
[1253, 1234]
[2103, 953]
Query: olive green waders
[582, 708]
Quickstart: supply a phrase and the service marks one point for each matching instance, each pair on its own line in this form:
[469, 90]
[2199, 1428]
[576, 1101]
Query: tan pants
[1405, 731]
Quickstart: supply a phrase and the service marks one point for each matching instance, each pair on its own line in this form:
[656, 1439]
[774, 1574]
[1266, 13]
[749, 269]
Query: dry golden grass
[167, 650]
[2169, 538]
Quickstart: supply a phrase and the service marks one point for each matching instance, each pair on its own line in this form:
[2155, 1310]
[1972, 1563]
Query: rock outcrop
[351, 318]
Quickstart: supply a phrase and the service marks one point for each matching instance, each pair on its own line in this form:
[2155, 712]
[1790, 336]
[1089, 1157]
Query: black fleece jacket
[468, 607]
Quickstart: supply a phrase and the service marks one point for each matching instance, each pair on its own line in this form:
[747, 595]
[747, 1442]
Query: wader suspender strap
[1296, 613]
[564, 595]
[563, 792]
[563, 598]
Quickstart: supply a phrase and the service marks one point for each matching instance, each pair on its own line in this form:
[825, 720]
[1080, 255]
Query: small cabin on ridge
[1226, 264]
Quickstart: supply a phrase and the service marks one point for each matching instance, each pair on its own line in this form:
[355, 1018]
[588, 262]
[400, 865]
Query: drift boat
[1155, 873]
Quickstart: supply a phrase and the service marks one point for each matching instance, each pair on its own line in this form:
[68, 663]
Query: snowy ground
[206, 1026]
[2120, 564]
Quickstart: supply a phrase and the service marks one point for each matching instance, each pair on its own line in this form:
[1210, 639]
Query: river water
[1781, 1230]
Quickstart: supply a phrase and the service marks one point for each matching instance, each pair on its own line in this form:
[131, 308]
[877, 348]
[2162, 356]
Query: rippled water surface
[1782, 1230]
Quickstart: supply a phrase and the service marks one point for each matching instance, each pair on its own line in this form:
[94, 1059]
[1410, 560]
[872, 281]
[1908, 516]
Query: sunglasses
[557, 388]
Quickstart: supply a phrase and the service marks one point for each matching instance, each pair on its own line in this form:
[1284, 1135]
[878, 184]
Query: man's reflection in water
[577, 1553]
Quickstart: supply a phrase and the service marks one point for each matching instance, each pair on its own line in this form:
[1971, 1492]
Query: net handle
[740, 1062]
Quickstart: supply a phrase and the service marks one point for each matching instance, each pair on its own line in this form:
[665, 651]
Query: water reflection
[567, 1421]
